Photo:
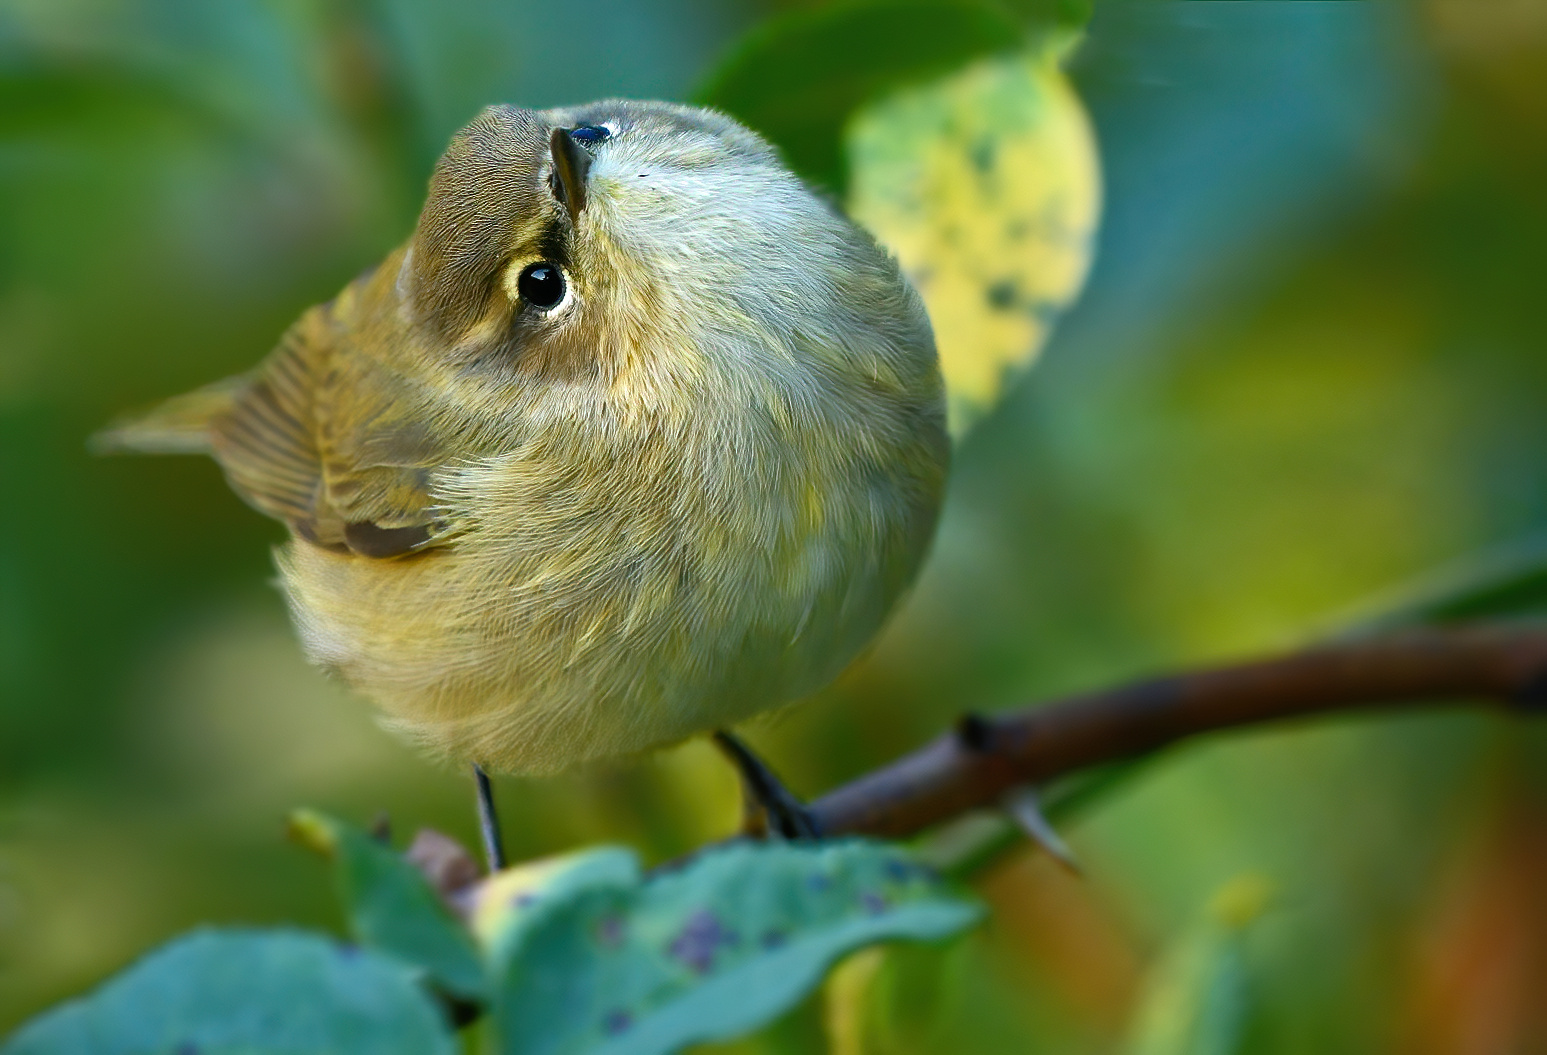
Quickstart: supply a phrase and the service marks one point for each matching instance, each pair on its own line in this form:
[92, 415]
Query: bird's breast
[600, 600]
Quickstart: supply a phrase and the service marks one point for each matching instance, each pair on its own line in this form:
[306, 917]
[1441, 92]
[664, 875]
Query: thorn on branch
[1024, 805]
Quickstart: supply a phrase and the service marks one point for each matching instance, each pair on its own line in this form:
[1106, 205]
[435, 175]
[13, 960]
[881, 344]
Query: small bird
[634, 438]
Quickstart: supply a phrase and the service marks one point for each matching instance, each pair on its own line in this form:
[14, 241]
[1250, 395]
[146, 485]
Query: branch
[985, 758]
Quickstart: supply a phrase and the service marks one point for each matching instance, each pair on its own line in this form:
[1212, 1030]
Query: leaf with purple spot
[511, 901]
[703, 952]
[700, 939]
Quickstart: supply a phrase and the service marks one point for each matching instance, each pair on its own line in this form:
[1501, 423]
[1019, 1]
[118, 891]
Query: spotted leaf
[986, 185]
[588, 959]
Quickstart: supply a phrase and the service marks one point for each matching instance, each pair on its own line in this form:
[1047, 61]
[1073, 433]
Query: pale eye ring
[542, 285]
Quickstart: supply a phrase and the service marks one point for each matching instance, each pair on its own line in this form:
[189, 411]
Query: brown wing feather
[327, 441]
[266, 440]
[288, 447]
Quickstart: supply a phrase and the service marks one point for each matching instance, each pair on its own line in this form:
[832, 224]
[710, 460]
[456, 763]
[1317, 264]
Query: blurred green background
[1310, 364]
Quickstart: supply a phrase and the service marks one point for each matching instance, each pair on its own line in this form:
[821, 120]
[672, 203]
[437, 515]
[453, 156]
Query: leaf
[797, 78]
[1507, 582]
[247, 992]
[897, 999]
[987, 187]
[392, 907]
[604, 964]
[1197, 1000]
[847, 999]
[514, 901]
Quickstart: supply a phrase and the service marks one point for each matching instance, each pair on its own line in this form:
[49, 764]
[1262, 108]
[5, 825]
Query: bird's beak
[570, 164]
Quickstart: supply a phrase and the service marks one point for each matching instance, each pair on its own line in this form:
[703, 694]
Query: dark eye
[541, 285]
[589, 134]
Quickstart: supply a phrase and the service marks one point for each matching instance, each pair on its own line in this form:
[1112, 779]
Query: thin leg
[786, 816]
[488, 821]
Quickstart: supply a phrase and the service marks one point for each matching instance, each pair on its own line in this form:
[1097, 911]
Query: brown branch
[980, 762]
[984, 759]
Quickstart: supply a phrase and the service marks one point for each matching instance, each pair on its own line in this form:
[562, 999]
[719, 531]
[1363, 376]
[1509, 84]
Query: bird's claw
[769, 805]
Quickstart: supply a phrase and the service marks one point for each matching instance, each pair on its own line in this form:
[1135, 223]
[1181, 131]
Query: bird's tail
[181, 425]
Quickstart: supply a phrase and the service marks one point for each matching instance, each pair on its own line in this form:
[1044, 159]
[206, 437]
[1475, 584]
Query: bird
[636, 436]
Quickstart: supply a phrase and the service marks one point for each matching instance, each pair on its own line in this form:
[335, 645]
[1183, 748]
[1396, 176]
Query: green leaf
[897, 999]
[797, 78]
[1197, 998]
[248, 992]
[1507, 582]
[391, 906]
[608, 965]
[516, 900]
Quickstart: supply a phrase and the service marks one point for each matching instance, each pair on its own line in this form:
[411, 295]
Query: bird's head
[644, 244]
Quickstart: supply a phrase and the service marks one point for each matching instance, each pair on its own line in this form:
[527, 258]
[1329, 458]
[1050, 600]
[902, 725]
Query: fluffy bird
[634, 438]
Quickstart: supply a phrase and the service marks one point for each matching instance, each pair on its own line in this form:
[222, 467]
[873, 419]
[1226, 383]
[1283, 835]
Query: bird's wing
[266, 437]
[318, 440]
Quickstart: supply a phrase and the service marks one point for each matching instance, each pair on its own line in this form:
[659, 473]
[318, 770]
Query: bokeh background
[1309, 366]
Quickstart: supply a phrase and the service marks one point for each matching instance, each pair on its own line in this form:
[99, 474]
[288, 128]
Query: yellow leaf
[846, 995]
[987, 187]
[1199, 997]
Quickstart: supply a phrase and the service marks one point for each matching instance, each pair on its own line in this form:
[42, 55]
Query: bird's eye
[589, 134]
[541, 285]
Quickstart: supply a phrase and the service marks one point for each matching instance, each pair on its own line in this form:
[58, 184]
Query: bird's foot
[770, 807]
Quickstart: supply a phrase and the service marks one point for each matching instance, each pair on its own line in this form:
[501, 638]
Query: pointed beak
[571, 161]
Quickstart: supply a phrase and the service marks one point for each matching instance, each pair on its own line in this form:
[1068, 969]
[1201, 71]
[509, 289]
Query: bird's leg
[784, 814]
[488, 821]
